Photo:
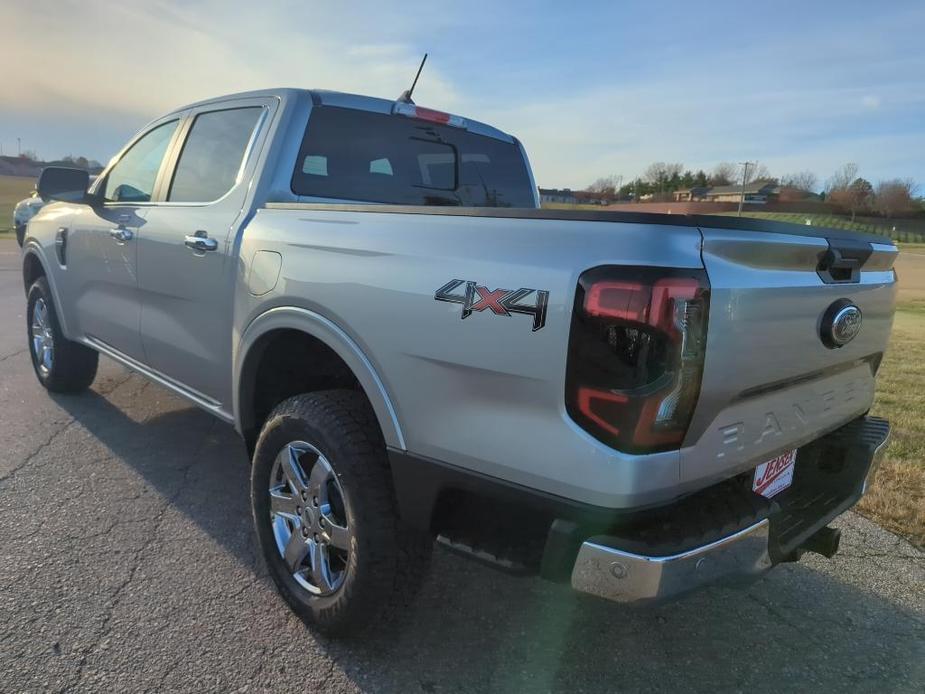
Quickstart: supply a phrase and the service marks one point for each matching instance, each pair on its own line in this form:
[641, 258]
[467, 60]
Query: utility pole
[744, 181]
[18, 147]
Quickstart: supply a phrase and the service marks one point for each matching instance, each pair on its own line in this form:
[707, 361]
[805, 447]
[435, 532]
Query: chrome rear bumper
[616, 574]
[625, 577]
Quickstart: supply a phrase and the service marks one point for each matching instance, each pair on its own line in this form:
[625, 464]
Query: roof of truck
[324, 97]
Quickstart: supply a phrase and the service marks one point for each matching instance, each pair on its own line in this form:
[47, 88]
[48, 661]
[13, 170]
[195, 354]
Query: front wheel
[62, 366]
[326, 516]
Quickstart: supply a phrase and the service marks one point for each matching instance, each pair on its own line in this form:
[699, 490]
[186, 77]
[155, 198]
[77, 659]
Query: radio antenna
[406, 95]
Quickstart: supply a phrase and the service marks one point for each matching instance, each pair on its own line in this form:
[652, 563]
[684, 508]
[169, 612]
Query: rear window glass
[374, 157]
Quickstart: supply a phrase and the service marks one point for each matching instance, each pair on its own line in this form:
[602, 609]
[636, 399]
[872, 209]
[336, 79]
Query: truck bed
[769, 383]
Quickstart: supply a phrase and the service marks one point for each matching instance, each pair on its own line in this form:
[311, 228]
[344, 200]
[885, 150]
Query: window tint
[375, 157]
[211, 157]
[132, 178]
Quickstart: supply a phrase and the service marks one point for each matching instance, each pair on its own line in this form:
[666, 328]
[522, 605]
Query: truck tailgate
[770, 384]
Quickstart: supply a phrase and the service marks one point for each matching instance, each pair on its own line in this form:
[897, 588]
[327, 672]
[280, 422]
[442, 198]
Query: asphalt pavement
[127, 563]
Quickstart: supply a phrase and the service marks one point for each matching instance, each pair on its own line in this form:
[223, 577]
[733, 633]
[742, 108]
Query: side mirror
[63, 183]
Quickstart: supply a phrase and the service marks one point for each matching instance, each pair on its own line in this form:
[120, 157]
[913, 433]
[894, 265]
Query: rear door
[186, 259]
[770, 381]
[101, 282]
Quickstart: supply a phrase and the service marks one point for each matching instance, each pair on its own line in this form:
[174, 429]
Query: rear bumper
[626, 577]
[832, 474]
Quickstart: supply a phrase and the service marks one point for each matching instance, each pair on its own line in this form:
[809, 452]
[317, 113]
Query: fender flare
[334, 337]
[34, 250]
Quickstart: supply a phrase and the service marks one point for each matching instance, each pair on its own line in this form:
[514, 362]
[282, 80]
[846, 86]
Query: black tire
[386, 562]
[73, 366]
[20, 233]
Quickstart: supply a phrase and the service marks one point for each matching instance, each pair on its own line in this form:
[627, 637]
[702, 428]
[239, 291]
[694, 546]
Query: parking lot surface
[127, 563]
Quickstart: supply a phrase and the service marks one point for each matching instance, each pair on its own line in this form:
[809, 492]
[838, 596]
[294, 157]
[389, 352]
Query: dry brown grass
[897, 498]
[910, 267]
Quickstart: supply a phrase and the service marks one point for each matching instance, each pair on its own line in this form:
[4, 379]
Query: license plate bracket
[775, 475]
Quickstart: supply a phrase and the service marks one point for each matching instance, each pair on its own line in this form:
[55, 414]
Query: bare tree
[606, 185]
[895, 197]
[858, 196]
[801, 180]
[757, 172]
[842, 179]
[725, 173]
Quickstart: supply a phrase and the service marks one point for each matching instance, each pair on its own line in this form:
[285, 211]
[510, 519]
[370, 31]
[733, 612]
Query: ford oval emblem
[840, 324]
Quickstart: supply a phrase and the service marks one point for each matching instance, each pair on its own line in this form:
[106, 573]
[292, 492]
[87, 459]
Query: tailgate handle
[834, 268]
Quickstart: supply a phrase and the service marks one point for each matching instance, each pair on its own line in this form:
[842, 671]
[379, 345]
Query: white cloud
[96, 59]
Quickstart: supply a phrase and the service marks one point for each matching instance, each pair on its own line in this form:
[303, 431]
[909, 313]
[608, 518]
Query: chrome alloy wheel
[309, 518]
[43, 343]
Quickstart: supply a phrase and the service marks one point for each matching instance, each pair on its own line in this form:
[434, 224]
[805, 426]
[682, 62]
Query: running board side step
[508, 566]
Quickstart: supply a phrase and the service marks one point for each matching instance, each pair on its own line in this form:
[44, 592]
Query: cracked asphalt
[127, 563]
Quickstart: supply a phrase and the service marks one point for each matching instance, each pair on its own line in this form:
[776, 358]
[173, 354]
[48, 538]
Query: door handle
[200, 241]
[122, 235]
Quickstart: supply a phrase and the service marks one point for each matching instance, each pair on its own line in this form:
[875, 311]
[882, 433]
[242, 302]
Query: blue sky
[591, 88]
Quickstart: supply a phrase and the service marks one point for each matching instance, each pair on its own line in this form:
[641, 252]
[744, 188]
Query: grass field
[903, 230]
[897, 499]
[12, 190]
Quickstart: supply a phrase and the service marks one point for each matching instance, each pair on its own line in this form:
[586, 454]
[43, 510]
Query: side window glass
[212, 155]
[132, 178]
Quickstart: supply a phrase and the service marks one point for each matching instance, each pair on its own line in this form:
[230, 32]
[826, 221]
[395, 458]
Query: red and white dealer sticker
[775, 475]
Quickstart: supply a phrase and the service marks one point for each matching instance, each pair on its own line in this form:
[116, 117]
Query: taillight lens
[636, 355]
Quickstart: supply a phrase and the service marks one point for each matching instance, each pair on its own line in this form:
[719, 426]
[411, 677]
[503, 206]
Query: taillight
[636, 355]
[428, 114]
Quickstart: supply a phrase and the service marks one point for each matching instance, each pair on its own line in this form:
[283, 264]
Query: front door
[100, 286]
[186, 262]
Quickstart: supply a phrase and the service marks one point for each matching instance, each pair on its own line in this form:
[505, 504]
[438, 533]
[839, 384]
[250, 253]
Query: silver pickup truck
[634, 404]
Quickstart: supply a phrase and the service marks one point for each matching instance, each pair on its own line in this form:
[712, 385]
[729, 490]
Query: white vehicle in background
[25, 210]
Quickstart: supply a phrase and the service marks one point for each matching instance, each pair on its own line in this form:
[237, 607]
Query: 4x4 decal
[501, 302]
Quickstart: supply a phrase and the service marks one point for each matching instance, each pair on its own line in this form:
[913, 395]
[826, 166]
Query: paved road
[127, 564]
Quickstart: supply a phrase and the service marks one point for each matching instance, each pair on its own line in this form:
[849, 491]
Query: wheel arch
[251, 347]
[32, 269]
[35, 265]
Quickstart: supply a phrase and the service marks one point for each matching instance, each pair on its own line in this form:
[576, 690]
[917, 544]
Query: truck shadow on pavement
[473, 629]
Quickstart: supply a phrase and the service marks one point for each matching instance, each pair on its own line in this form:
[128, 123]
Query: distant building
[756, 193]
[691, 194]
[564, 196]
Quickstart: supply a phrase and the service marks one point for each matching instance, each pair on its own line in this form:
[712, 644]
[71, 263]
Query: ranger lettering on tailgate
[761, 429]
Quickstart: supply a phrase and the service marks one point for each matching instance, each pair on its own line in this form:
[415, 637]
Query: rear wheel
[62, 366]
[326, 516]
